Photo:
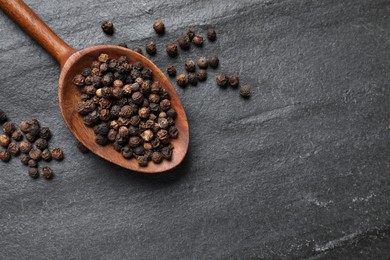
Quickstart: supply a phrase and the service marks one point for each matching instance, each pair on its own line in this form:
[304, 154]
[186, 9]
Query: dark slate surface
[299, 171]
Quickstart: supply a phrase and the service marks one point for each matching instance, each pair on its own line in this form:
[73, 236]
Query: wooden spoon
[72, 62]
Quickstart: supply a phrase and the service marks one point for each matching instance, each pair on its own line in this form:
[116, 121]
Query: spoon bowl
[72, 63]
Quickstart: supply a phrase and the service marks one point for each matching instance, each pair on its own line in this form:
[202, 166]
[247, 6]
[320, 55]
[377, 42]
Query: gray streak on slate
[301, 170]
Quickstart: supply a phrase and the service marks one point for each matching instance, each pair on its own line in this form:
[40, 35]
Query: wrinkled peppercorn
[108, 27]
[142, 161]
[222, 80]
[13, 148]
[3, 117]
[189, 65]
[24, 126]
[234, 81]
[150, 48]
[24, 158]
[46, 172]
[147, 135]
[8, 128]
[184, 42]
[102, 129]
[182, 80]
[211, 34]
[166, 152]
[4, 140]
[197, 40]
[245, 91]
[33, 172]
[32, 163]
[41, 144]
[201, 75]
[159, 27]
[134, 141]
[35, 154]
[192, 79]
[165, 104]
[127, 152]
[203, 63]
[25, 147]
[171, 112]
[57, 154]
[101, 139]
[46, 155]
[17, 136]
[171, 70]
[79, 80]
[171, 49]
[213, 62]
[5, 156]
[157, 157]
[191, 33]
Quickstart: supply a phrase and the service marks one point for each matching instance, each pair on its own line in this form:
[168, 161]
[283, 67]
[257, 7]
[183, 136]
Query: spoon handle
[20, 13]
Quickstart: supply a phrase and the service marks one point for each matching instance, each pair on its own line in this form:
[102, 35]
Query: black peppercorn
[111, 136]
[135, 120]
[126, 111]
[203, 63]
[182, 80]
[46, 172]
[197, 40]
[127, 152]
[24, 126]
[201, 75]
[8, 128]
[146, 74]
[108, 27]
[184, 42]
[234, 81]
[117, 146]
[5, 156]
[222, 80]
[104, 115]
[165, 104]
[142, 161]
[25, 147]
[245, 91]
[41, 144]
[4, 140]
[57, 154]
[147, 135]
[3, 117]
[102, 129]
[13, 148]
[144, 112]
[137, 98]
[24, 158]
[157, 157]
[79, 80]
[191, 33]
[123, 45]
[192, 79]
[46, 155]
[138, 50]
[101, 139]
[123, 131]
[33, 172]
[32, 163]
[189, 65]
[166, 152]
[162, 135]
[171, 70]
[171, 112]
[35, 154]
[134, 141]
[213, 62]
[45, 133]
[163, 123]
[211, 34]
[159, 27]
[171, 49]
[173, 132]
[31, 138]
[150, 48]
[155, 88]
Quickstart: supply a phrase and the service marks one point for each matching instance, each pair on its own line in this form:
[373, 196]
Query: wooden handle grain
[20, 13]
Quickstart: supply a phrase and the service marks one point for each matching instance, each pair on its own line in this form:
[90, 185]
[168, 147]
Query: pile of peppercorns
[127, 108]
[184, 41]
[34, 149]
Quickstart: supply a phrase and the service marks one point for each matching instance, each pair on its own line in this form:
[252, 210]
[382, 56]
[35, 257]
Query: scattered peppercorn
[57, 154]
[13, 148]
[33, 172]
[108, 27]
[245, 91]
[211, 34]
[189, 65]
[46, 172]
[150, 48]
[24, 158]
[222, 80]
[213, 62]
[8, 128]
[159, 27]
[32, 163]
[41, 144]
[201, 75]
[171, 49]
[4, 140]
[192, 79]
[203, 63]
[182, 80]
[3, 117]
[191, 33]
[234, 81]
[5, 156]
[35, 154]
[197, 40]
[46, 155]
[171, 70]
[184, 42]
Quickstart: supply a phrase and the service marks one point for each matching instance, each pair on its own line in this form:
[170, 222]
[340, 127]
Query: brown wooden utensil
[72, 62]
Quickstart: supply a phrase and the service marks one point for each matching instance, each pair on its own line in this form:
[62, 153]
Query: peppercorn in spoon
[71, 63]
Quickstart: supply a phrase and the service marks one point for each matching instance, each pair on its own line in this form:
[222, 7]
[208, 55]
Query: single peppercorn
[171, 70]
[166, 152]
[147, 135]
[13, 148]
[102, 129]
[173, 131]
[108, 27]
[234, 81]
[171, 113]
[35, 154]
[182, 80]
[57, 154]
[46, 172]
[189, 65]
[134, 141]
[24, 126]
[222, 80]
[46, 155]
[3, 117]
[142, 161]
[245, 91]
[5, 156]
[17, 136]
[8, 127]
[45, 133]
[144, 112]
[137, 98]
[123, 45]
[4, 140]
[192, 79]
[31, 138]
[41, 144]
[171, 49]
[213, 61]
[211, 34]
[203, 63]
[32, 163]
[127, 152]
[138, 50]
[24, 158]
[150, 48]
[201, 75]
[163, 123]
[197, 40]
[157, 157]
[33, 172]
[191, 33]
[165, 104]
[25, 147]
[79, 80]
[159, 27]
[184, 42]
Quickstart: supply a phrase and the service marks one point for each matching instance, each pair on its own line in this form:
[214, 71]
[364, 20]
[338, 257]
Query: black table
[300, 170]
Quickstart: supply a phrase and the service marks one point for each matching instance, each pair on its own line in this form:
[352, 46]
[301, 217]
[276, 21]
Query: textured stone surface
[301, 170]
